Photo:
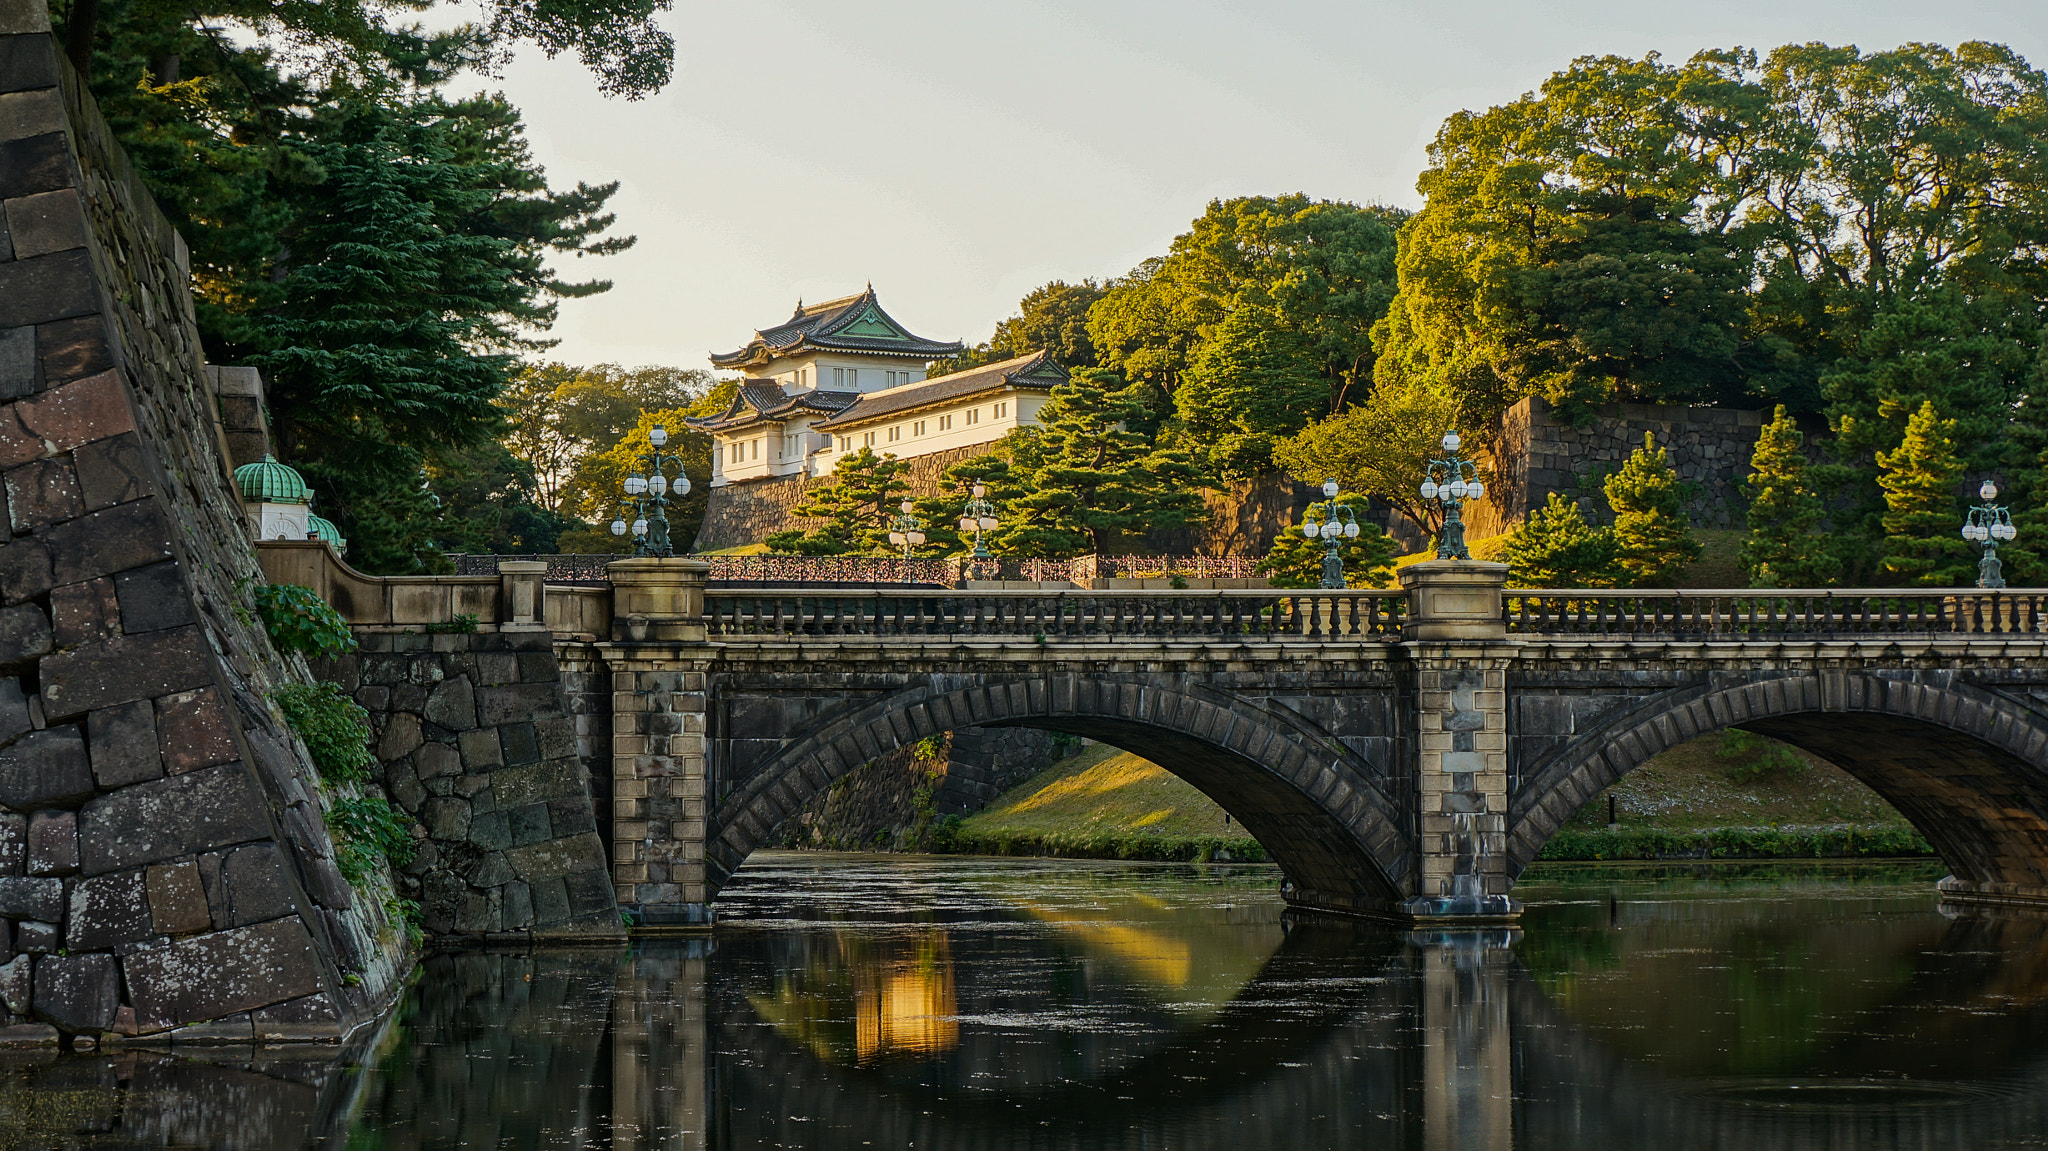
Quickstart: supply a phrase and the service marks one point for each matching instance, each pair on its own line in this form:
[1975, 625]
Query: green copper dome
[271, 482]
[325, 530]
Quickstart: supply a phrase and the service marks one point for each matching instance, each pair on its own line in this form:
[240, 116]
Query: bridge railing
[1051, 616]
[1790, 614]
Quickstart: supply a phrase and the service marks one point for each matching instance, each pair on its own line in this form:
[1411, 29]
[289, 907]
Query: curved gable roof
[854, 324]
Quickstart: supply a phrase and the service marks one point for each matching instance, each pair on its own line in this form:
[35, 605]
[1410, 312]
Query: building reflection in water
[1075, 1024]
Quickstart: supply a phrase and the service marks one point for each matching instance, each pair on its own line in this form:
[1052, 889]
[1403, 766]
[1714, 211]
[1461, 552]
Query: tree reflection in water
[1008, 1004]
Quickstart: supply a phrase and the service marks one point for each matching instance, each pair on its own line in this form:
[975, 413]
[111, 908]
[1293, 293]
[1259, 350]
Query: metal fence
[1281, 615]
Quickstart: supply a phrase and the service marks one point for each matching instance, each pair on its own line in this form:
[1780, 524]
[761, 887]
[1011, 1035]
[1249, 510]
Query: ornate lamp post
[1987, 524]
[1451, 481]
[1331, 530]
[649, 496]
[979, 517]
[906, 531]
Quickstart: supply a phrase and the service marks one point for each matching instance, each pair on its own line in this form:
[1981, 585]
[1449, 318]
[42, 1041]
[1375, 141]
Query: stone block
[254, 884]
[192, 731]
[163, 819]
[13, 844]
[110, 540]
[32, 897]
[298, 1020]
[53, 843]
[26, 61]
[519, 786]
[518, 744]
[452, 705]
[74, 348]
[42, 492]
[550, 902]
[153, 598]
[556, 737]
[45, 769]
[124, 669]
[15, 720]
[221, 973]
[53, 287]
[17, 357]
[107, 910]
[123, 744]
[447, 819]
[530, 824]
[35, 937]
[24, 634]
[493, 870]
[480, 749]
[36, 164]
[401, 736]
[556, 858]
[571, 816]
[24, 570]
[82, 613]
[17, 984]
[78, 992]
[539, 667]
[45, 222]
[112, 471]
[518, 906]
[177, 899]
[491, 831]
[436, 759]
[590, 892]
[518, 703]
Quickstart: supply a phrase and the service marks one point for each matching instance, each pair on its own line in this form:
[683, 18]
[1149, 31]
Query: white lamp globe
[988, 523]
[682, 485]
[1456, 489]
[658, 484]
[1451, 441]
[639, 527]
[1970, 531]
[1330, 529]
[905, 507]
[966, 525]
[1350, 531]
[914, 537]
[618, 527]
[980, 490]
[2006, 531]
[636, 484]
[657, 435]
[896, 538]
[1308, 528]
[1475, 490]
[1329, 489]
[1988, 492]
[1429, 489]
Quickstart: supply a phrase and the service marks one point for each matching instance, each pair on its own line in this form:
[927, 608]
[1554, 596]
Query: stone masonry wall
[888, 802]
[474, 741]
[165, 869]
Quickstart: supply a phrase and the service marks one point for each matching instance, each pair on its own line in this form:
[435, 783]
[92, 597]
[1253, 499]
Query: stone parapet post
[520, 605]
[1457, 647]
[658, 599]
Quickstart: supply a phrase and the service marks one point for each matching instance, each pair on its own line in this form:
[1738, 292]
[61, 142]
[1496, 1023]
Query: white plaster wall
[1022, 408]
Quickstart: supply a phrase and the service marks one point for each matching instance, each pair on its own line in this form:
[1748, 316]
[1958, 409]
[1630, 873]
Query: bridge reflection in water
[950, 1003]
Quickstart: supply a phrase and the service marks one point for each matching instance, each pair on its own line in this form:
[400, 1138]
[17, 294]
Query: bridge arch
[1966, 766]
[1314, 803]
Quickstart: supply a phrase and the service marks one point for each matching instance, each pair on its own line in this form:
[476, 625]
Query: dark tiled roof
[1037, 372]
[761, 400]
[844, 325]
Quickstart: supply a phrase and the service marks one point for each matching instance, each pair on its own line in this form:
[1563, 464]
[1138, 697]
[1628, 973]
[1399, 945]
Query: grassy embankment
[1696, 801]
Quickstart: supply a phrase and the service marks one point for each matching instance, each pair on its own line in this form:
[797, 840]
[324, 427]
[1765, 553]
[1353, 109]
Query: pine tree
[1251, 384]
[1557, 548]
[1650, 527]
[1922, 546]
[1295, 560]
[857, 506]
[1785, 547]
[1089, 478]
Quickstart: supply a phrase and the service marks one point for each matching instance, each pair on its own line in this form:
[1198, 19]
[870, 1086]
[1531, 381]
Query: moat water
[891, 1002]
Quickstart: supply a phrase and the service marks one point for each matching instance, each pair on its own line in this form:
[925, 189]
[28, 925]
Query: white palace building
[843, 375]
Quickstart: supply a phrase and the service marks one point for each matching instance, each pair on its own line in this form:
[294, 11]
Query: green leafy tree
[1557, 548]
[1296, 561]
[863, 495]
[1052, 317]
[1651, 530]
[1379, 447]
[1785, 546]
[1919, 477]
[1250, 384]
[1087, 479]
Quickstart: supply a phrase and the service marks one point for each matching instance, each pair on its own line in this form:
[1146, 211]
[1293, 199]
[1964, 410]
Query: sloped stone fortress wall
[164, 865]
[475, 741]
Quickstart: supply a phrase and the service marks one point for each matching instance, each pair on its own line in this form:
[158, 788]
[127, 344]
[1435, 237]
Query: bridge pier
[1458, 652]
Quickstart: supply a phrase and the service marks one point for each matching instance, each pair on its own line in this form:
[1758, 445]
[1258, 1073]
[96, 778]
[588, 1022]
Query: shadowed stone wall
[165, 869]
[474, 741]
[890, 801]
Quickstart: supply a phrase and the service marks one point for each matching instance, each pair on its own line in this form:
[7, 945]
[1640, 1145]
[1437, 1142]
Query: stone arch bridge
[1400, 753]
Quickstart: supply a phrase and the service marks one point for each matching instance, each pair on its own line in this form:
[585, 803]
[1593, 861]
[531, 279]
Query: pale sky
[960, 154]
